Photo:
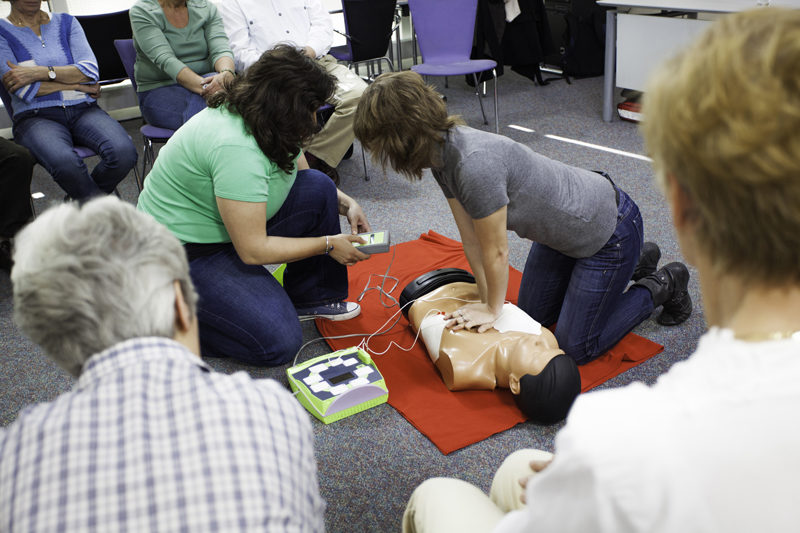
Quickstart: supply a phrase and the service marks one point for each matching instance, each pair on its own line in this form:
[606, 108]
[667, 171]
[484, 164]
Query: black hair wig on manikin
[546, 398]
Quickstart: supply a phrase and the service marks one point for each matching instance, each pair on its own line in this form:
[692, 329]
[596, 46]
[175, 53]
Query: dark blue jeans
[587, 296]
[51, 132]
[243, 311]
[170, 107]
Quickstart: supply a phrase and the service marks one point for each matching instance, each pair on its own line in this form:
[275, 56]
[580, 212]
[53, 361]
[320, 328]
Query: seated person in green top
[234, 187]
[177, 43]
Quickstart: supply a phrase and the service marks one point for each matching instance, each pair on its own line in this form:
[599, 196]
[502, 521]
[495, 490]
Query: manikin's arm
[486, 246]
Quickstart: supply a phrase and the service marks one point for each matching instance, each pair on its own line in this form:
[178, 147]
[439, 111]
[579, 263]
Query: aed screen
[341, 377]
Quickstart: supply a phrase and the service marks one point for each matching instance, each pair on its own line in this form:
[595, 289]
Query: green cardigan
[162, 50]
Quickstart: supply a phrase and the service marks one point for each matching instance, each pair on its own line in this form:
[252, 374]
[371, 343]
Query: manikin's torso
[470, 360]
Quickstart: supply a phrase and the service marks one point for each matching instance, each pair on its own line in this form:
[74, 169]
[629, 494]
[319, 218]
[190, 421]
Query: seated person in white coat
[712, 446]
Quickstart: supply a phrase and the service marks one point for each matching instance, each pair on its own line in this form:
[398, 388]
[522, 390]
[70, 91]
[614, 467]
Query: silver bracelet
[328, 246]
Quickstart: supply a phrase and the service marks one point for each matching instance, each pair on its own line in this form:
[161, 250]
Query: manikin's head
[88, 277]
[524, 358]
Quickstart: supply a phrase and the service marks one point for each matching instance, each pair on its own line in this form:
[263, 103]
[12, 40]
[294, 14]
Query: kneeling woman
[587, 233]
[231, 185]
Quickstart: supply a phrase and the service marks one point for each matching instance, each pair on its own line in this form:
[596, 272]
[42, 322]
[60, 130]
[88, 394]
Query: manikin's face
[530, 358]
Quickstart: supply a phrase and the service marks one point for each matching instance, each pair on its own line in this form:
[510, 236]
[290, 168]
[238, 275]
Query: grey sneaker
[332, 311]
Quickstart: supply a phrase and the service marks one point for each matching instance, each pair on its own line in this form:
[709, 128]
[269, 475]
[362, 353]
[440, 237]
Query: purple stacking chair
[445, 30]
[150, 134]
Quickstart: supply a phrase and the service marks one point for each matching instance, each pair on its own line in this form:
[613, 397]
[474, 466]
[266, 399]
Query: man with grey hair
[149, 439]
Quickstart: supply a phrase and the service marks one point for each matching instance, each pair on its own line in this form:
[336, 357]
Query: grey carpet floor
[370, 463]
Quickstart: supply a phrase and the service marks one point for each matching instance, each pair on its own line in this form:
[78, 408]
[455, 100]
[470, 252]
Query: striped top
[150, 439]
[62, 43]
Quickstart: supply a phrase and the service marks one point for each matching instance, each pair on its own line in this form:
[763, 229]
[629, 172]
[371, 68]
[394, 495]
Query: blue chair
[150, 134]
[445, 30]
[82, 151]
[369, 25]
[101, 30]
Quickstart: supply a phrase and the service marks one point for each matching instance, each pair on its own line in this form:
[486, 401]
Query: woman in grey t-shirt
[587, 233]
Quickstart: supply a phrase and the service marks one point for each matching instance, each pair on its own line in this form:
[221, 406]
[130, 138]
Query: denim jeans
[243, 311]
[51, 132]
[170, 107]
[587, 296]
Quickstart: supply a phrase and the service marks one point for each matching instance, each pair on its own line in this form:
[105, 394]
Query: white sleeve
[320, 35]
[245, 51]
[601, 467]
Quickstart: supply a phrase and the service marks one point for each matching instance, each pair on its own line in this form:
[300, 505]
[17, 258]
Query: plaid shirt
[151, 440]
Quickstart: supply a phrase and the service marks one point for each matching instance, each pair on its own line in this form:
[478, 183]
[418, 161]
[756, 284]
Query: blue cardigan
[62, 43]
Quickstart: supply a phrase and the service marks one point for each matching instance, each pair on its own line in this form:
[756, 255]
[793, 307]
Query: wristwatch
[51, 73]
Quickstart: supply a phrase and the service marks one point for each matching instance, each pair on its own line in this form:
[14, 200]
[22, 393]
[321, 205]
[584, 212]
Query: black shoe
[669, 287]
[5, 256]
[648, 261]
[318, 164]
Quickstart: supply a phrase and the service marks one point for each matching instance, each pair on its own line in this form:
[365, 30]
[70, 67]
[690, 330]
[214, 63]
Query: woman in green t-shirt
[235, 170]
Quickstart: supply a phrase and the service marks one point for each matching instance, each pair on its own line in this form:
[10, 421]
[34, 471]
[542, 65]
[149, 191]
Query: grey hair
[86, 278]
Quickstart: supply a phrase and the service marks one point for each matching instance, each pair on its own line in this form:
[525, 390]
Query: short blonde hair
[723, 118]
[401, 121]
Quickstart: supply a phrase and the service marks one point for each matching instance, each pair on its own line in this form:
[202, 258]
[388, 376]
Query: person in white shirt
[255, 26]
[712, 446]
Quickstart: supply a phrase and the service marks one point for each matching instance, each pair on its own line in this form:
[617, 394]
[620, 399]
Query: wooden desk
[637, 43]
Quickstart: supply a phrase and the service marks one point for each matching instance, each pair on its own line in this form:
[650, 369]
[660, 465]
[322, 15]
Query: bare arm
[355, 215]
[246, 223]
[224, 68]
[486, 247]
[191, 80]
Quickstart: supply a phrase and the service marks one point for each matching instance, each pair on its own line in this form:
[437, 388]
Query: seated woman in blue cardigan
[51, 73]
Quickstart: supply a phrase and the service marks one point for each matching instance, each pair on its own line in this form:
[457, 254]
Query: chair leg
[364, 161]
[496, 115]
[147, 156]
[478, 94]
[139, 182]
[391, 64]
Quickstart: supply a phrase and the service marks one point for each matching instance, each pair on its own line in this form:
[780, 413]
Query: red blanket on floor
[451, 420]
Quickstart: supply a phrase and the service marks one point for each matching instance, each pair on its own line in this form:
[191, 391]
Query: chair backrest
[369, 24]
[127, 55]
[101, 31]
[445, 28]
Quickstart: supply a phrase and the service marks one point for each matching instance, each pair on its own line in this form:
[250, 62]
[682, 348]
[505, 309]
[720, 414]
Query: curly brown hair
[277, 97]
[401, 121]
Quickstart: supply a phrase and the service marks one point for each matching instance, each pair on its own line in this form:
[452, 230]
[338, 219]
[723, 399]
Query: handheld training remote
[377, 242]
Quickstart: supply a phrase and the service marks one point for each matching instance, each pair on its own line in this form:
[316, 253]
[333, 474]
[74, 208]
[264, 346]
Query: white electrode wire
[381, 291]
[392, 343]
[383, 329]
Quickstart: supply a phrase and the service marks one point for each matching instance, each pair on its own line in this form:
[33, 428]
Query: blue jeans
[170, 107]
[243, 311]
[587, 296]
[51, 132]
